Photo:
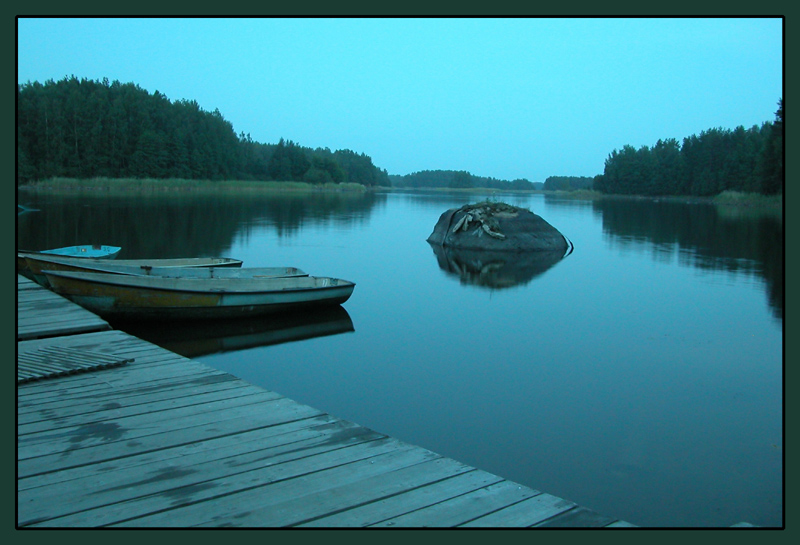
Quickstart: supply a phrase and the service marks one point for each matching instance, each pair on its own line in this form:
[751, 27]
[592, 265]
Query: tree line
[81, 128]
[717, 160]
[568, 183]
[457, 179]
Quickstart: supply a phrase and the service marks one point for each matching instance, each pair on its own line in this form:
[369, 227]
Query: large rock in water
[497, 227]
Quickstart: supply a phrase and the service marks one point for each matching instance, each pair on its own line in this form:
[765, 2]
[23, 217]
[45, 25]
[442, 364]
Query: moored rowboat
[96, 251]
[36, 263]
[156, 297]
[83, 251]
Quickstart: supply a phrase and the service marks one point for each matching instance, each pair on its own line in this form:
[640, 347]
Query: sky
[506, 98]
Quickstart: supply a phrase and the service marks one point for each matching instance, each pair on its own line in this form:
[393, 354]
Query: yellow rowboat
[157, 297]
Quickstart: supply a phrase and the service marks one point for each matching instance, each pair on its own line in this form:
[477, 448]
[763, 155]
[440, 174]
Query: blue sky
[502, 97]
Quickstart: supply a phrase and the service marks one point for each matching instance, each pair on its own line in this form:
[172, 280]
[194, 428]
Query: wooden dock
[165, 441]
[42, 313]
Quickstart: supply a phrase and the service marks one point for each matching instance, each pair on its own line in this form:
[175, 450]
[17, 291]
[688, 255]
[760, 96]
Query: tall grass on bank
[736, 198]
[174, 185]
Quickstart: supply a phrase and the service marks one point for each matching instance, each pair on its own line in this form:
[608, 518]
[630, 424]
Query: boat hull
[38, 263]
[85, 251]
[92, 251]
[134, 297]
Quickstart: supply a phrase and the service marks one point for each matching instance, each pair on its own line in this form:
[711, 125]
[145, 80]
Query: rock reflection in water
[495, 269]
[192, 338]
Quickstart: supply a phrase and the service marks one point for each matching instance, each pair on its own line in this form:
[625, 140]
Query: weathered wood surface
[53, 361]
[164, 441]
[42, 313]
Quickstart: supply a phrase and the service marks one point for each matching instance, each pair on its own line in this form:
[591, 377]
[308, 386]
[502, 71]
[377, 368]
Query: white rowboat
[36, 263]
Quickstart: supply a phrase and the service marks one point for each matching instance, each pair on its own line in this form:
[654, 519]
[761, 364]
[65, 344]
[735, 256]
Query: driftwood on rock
[497, 227]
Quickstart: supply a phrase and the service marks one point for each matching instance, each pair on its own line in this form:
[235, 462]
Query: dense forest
[745, 160]
[79, 128]
[458, 179]
[568, 183]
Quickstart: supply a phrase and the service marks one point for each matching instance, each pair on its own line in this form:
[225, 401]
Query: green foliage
[568, 183]
[288, 162]
[461, 180]
[359, 169]
[716, 160]
[456, 179]
[84, 129]
[770, 162]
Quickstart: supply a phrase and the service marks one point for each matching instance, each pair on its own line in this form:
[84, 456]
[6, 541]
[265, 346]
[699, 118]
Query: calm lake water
[640, 376]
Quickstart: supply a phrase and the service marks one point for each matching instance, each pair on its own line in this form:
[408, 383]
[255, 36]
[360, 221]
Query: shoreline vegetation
[176, 185]
[114, 186]
[80, 136]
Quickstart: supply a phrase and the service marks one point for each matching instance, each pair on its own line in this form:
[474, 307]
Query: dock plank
[239, 493]
[407, 501]
[578, 517]
[137, 380]
[220, 446]
[464, 508]
[281, 411]
[79, 391]
[109, 400]
[42, 313]
[196, 470]
[350, 493]
[525, 513]
[152, 406]
[25, 283]
[58, 362]
[124, 430]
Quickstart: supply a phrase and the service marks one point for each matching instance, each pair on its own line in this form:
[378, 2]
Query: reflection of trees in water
[703, 236]
[188, 225]
[291, 211]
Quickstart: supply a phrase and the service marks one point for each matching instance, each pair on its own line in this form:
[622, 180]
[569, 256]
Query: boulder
[497, 227]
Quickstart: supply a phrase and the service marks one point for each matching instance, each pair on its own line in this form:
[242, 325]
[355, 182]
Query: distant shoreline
[128, 186]
[172, 186]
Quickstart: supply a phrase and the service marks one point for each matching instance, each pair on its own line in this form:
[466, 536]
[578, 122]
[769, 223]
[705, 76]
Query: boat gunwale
[232, 268]
[107, 251]
[121, 283]
[78, 261]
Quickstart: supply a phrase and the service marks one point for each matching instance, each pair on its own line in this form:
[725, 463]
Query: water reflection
[729, 239]
[166, 225]
[494, 270]
[193, 339]
[736, 240]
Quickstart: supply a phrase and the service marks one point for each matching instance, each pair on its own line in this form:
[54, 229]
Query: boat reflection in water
[495, 270]
[192, 338]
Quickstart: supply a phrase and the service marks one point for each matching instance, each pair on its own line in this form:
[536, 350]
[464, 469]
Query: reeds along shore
[152, 185]
[171, 186]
